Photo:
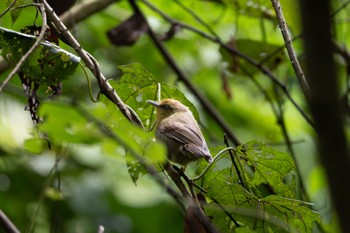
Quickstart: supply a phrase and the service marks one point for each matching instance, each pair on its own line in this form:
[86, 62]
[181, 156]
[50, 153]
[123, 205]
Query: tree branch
[6, 224]
[291, 52]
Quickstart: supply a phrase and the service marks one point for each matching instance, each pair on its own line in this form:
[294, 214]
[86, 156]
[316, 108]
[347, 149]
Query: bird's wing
[183, 133]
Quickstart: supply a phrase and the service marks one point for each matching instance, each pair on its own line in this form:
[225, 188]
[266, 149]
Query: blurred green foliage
[66, 175]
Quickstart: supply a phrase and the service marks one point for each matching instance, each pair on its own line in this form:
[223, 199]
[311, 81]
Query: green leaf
[34, 145]
[142, 143]
[295, 213]
[54, 194]
[47, 65]
[268, 166]
[16, 13]
[232, 203]
[135, 169]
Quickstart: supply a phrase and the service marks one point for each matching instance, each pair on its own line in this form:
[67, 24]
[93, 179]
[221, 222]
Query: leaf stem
[210, 164]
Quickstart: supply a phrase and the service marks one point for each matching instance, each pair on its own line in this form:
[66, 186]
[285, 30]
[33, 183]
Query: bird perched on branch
[178, 129]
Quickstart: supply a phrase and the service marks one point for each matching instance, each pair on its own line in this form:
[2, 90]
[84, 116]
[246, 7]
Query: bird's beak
[154, 103]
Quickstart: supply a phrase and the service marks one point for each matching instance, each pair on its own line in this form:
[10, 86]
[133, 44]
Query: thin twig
[89, 61]
[217, 156]
[6, 224]
[34, 46]
[196, 17]
[234, 51]
[228, 214]
[282, 123]
[49, 179]
[8, 8]
[182, 76]
[174, 175]
[291, 52]
[343, 6]
[234, 162]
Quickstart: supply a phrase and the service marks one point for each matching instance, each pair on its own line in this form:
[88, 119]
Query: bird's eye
[166, 106]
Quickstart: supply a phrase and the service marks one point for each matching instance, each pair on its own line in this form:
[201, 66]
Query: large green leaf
[16, 13]
[47, 65]
[259, 165]
[268, 166]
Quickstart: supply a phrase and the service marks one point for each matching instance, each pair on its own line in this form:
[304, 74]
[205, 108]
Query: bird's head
[168, 107]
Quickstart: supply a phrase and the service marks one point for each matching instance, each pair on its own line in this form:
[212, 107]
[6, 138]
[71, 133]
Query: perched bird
[177, 128]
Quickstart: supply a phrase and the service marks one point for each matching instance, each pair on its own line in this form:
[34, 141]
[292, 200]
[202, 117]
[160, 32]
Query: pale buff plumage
[178, 129]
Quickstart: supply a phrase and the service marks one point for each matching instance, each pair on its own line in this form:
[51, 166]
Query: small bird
[177, 128]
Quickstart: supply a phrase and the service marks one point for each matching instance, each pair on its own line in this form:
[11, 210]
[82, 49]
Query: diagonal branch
[6, 224]
[291, 52]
